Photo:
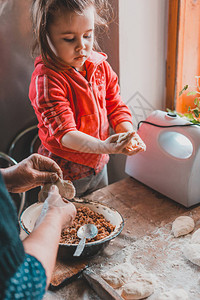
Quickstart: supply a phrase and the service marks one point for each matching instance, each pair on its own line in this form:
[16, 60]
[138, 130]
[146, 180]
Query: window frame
[183, 52]
[172, 49]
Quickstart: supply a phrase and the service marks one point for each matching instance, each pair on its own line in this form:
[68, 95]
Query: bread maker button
[172, 114]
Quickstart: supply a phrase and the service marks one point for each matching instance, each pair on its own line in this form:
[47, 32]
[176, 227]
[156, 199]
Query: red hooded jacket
[65, 101]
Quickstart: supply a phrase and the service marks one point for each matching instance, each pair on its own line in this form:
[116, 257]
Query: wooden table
[146, 241]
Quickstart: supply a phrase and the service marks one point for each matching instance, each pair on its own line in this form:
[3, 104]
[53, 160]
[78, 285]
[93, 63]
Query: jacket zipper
[95, 101]
[99, 120]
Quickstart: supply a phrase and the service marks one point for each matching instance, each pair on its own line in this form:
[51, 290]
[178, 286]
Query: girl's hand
[128, 143]
[135, 145]
[116, 143]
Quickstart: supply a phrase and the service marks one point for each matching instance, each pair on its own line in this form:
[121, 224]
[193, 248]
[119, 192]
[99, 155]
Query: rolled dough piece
[192, 253]
[140, 287]
[118, 275]
[66, 190]
[113, 279]
[196, 237]
[182, 225]
[176, 294]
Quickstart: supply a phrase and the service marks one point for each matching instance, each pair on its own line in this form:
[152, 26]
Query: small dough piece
[118, 275]
[192, 253]
[113, 279]
[176, 294]
[196, 237]
[182, 225]
[66, 190]
[140, 287]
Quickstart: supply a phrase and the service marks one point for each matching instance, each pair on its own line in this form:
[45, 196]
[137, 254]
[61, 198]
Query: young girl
[75, 93]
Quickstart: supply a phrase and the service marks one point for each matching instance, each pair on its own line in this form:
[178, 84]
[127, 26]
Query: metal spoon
[87, 231]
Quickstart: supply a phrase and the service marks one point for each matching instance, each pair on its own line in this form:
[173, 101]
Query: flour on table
[196, 237]
[118, 275]
[159, 254]
[192, 253]
[176, 294]
[140, 287]
[182, 226]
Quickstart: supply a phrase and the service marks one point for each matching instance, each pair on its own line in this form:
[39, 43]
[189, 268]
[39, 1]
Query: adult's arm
[43, 242]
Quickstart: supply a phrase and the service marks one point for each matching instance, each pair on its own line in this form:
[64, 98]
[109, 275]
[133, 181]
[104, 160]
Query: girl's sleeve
[117, 111]
[48, 95]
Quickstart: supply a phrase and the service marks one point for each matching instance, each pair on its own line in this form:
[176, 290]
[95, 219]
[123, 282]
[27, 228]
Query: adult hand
[55, 204]
[31, 172]
[43, 241]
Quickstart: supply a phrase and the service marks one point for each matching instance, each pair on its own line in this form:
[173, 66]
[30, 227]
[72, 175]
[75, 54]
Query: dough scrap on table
[176, 294]
[182, 226]
[192, 253]
[195, 239]
[66, 190]
[113, 279]
[140, 287]
[118, 275]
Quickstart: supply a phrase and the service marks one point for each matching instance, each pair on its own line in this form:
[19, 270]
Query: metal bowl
[66, 251]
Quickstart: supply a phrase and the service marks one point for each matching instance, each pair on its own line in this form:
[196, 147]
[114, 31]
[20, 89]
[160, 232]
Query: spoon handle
[80, 247]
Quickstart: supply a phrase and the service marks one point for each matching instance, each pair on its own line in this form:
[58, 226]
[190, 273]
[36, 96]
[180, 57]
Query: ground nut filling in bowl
[108, 221]
[86, 216]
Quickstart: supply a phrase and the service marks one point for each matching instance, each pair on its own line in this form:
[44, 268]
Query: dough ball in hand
[135, 143]
[66, 190]
[138, 142]
[182, 225]
[140, 287]
[176, 294]
[123, 136]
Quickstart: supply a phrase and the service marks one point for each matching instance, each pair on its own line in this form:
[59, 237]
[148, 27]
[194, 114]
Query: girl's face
[72, 37]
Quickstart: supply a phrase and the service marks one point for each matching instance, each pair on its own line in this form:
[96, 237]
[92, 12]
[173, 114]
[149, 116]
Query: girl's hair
[43, 13]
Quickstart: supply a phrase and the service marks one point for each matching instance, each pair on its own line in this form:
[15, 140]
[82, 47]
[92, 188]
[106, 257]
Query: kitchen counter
[146, 241]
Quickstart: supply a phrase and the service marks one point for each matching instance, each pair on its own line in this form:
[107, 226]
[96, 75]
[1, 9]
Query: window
[183, 53]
